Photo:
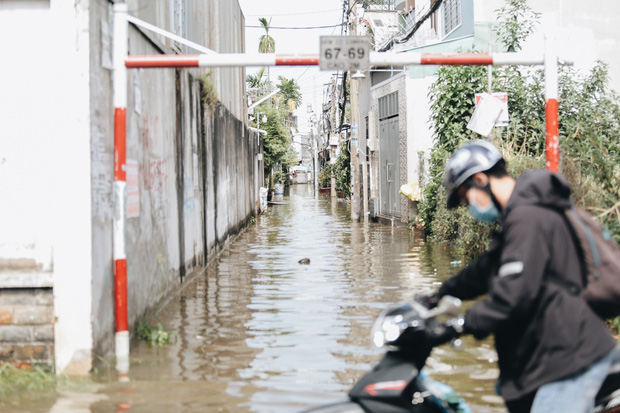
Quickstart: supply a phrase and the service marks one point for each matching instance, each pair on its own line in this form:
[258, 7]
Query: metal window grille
[388, 106]
[451, 15]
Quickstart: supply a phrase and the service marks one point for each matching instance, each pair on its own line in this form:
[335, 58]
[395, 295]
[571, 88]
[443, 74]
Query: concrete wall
[420, 132]
[218, 25]
[193, 172]
[195, 179]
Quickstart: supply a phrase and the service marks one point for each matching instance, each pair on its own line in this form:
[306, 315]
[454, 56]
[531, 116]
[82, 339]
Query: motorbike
[409, 331]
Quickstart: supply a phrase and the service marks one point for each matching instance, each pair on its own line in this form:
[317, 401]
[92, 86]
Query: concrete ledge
[25, 279]
[390, 221]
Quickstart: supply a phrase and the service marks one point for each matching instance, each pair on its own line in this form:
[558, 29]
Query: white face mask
[489, 214]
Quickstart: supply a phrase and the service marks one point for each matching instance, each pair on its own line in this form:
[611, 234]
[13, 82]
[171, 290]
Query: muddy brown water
[260, 332]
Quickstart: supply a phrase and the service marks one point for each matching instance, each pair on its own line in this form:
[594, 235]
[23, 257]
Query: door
[390, 167]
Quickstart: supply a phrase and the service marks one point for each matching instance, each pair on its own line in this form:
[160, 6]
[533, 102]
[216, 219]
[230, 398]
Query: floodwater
[260, 332]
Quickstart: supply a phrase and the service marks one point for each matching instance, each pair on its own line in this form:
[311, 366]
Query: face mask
[489, 214]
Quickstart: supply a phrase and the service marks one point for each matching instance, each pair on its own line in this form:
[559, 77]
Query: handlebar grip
[446, 332]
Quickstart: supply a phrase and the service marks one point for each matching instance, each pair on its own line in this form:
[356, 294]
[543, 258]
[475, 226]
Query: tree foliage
[278, 139]
[342, 170]
[266, 43]
[290, 95]
[518, 21]
[589, 119]
[257, 81]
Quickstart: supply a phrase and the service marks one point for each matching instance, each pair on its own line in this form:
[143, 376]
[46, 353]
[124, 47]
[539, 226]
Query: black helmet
[468, 160]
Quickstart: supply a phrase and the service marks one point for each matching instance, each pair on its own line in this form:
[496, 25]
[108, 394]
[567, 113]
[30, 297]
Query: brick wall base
[27, 325]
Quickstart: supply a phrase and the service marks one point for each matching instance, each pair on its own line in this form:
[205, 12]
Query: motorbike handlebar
[446, 332]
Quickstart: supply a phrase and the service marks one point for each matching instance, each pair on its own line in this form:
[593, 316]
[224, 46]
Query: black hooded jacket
[542, 332]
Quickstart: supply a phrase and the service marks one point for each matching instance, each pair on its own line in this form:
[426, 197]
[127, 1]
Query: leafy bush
[325, 176]
[589, 119]
[342, 170]
[156, 335]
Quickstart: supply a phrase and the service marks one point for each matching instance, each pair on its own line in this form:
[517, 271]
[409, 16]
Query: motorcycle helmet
[468, 160]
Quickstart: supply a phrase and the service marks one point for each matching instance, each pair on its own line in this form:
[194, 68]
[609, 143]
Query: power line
[295, 28]
[291, 14]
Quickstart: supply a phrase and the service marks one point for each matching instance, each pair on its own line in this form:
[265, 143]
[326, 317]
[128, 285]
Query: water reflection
[260, 332]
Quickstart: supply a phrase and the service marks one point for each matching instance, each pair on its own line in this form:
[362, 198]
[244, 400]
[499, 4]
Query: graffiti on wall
[133, 189]
[102, 176]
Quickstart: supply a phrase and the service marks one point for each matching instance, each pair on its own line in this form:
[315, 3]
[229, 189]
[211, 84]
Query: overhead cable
[295, 28]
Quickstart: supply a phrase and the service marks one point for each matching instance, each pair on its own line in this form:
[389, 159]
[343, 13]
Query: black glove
[427, 300]
[444, 334]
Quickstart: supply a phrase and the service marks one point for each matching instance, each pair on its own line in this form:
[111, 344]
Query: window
[451, 15]
[388, 106]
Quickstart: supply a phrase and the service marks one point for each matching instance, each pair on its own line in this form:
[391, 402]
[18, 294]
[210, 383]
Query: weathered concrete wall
[195, 185]
[218, 25]
[56, 169]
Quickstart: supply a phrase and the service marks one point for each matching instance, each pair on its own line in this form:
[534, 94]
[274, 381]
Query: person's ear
[481, 179]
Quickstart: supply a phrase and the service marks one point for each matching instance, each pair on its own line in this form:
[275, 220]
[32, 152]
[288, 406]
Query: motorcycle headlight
[390, 324]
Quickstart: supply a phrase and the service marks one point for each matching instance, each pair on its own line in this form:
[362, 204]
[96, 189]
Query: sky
[295, 13]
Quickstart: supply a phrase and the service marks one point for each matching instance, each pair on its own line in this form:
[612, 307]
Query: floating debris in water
[304, 261]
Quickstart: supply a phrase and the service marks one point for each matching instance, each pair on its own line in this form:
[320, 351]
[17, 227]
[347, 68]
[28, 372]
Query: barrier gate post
[120, 135]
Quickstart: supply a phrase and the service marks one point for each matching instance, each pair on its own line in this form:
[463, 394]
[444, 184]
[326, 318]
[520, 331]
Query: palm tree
[289, 90]
[266, 44]
[257, 83]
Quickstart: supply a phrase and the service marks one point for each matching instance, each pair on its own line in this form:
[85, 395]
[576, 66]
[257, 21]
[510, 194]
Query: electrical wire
[295, 28]
[291, 14]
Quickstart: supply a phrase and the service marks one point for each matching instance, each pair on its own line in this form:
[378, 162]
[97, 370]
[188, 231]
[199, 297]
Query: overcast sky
[294, 13]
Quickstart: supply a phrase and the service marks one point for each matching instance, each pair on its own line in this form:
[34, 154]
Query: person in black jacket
[553, 350]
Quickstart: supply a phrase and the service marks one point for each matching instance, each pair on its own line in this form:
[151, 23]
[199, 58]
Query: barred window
[451, 15]
[388, 106]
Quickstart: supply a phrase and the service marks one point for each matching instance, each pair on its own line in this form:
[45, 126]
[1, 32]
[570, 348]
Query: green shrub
[325, 176]
[156, 335]
[342, 170]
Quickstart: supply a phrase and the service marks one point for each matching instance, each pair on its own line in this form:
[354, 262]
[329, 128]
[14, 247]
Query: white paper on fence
[486, 114]
[504, 118]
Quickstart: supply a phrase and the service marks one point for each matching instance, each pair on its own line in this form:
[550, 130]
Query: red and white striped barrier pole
[552, 141]
[120, 126]
[375, 59]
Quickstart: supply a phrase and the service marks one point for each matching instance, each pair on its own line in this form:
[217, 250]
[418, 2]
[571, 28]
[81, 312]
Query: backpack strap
[558, 279]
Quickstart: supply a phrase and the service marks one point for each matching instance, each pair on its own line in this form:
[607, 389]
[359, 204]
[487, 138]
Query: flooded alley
[259, 331]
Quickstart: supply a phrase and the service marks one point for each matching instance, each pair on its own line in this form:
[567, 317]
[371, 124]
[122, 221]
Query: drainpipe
[120, 125]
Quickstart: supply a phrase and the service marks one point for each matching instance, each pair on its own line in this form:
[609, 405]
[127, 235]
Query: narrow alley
[260, 332]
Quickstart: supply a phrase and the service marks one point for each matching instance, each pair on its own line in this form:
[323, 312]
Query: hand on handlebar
[446, 332]
[427, 300]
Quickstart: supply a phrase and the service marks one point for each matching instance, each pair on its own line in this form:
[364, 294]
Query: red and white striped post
[120, 125]
[552, 141]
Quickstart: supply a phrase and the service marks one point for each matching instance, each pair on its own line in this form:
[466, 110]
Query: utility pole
[355, 163]
[332, 157]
